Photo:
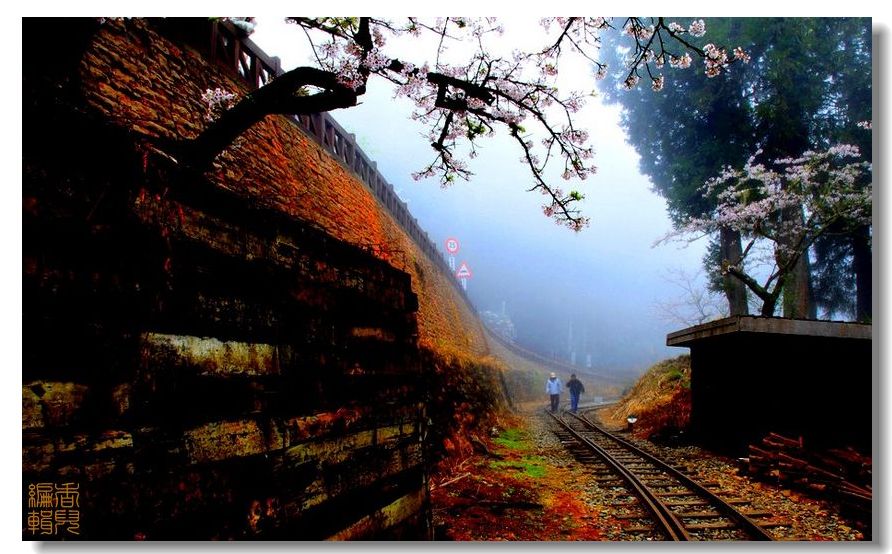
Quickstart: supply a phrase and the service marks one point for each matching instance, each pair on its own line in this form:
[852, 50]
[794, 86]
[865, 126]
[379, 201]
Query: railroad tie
[686, 503]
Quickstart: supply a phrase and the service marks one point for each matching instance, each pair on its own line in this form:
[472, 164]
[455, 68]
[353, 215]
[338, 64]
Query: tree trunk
[277, 97]
[768, 306]
[797, 290]
[735, 290]
[863, 266]
[797, 300]
[200, 152]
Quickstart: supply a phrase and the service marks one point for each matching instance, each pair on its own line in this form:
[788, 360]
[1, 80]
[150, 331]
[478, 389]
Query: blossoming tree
[465, 101]
[831, 190]
[808, 83]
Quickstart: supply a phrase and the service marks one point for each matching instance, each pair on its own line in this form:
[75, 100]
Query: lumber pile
[839, 474]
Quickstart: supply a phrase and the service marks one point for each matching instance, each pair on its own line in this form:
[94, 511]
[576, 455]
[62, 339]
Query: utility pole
[570, 348]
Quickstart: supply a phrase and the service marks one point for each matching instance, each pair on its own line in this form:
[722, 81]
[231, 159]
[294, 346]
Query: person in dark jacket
[575, 387]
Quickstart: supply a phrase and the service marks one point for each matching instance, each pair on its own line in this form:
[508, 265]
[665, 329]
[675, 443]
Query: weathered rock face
[223, 357]
[134, 74]
[226, 373]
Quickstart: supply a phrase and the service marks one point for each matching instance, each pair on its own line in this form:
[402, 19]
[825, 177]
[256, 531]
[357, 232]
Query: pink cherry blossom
[739, 54]
[216, 100]
[680, 62]
[697, 28]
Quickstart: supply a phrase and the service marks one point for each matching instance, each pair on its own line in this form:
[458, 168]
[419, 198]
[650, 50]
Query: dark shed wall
[745, 384]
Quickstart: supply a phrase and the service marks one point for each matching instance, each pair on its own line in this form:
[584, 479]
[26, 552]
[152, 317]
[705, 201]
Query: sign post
[463, 274]
[452, 247]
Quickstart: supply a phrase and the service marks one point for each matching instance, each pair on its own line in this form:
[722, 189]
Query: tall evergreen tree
[686, 134]
[847, 103]
[807, 86]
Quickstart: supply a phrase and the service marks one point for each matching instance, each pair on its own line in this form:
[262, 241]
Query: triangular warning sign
[464, 271]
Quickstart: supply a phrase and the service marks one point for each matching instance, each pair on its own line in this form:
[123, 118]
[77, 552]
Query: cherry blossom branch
[461, 103]
[587, 30]
[715, 58]
[768, 298]
[559, 203]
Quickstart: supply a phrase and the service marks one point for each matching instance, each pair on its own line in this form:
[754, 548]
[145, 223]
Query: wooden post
[236, 53]
[318, 120]
[351, 151]
[255, 72]
[329, 134]
[214, 39]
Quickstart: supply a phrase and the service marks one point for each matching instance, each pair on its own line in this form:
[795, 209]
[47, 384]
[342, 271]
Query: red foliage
[482, 499]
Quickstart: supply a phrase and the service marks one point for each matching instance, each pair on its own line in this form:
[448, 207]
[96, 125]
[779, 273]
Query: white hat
[553, 374]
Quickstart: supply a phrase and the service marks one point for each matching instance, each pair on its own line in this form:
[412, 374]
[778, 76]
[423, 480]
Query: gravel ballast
[802, 518]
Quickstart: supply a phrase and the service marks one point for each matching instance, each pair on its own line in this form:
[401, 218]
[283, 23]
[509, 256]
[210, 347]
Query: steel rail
[666, 519]
[748, 525]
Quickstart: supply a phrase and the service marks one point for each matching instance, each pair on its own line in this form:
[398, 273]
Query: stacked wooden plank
[840, 474]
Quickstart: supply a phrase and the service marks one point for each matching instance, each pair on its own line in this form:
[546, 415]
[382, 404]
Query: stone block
[111, 440]
[37, 456]
[59, 402]
[105, 442]
[209, 356]
[224, 440]
[373, 333]
[32, 410]
[121, 396]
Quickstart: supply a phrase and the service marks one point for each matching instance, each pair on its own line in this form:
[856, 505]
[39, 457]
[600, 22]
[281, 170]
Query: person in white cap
[553, 389]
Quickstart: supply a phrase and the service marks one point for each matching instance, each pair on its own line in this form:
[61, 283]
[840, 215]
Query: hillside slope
[660, 399]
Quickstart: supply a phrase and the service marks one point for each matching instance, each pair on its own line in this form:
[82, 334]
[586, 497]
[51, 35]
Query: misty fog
[605, 281]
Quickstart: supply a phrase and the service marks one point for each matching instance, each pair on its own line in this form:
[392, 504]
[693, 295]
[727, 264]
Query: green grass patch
[518, 440]
[674, 374]
[514, 439]
[531, 466]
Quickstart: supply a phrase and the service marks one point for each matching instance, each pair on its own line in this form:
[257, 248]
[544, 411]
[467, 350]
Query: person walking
[575, 387]
[553, 389]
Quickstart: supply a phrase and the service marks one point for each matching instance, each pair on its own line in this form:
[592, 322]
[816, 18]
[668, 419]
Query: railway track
[667, 504]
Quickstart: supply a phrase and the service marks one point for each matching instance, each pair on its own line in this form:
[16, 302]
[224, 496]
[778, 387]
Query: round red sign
[452, 245]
